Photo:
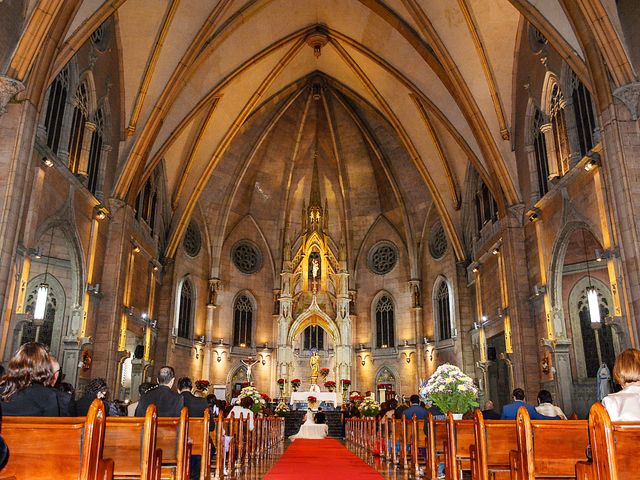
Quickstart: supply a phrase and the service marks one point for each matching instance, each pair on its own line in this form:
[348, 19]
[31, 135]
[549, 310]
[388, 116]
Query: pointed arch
[245, 309]
[361, 255]
[383, 319]
[444, 321]
[185, 308]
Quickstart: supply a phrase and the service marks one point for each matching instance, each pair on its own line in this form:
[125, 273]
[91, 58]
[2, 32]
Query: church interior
[391, 184]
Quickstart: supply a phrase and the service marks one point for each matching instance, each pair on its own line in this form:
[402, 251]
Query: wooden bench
[418, 440]
[614, 448]
[173, 439]
[436, 442]
[131, 441]
[494, 440]
[548, 448]
[201, 442]
[57, 447]
[460, 438]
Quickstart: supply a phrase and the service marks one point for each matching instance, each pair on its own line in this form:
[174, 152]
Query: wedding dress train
[311, 429]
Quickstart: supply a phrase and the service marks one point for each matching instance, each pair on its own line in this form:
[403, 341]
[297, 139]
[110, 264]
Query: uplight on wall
[594, 305]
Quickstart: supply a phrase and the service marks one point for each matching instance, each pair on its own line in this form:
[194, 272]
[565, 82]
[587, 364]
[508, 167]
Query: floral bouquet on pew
[450, 390]
[369, 407]
[281, 409]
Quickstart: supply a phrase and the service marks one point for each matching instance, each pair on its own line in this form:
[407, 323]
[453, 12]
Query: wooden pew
[614, 447]
[131, 441]
[494, 440]
[548, 448]
[57, 447]
[401, 436]
[460, 438]
[436, 441]
[418, 440]
[201, 442]
[173, 439]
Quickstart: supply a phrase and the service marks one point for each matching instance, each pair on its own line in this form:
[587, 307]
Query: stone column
[83, 163]
[102, 171]
[552, 158]
[208, 350]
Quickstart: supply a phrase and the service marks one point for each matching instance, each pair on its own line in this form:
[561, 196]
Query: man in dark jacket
[510, 411]
[320, 416]
[168, 403]
[196, 405]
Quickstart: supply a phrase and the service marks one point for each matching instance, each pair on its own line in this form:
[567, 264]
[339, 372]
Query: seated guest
[546, 406]
[24, 386]
[143, 388]
[168, 403]
[95, 389]
[415, 409]
[510, 411]
[624, 406]
[320, 417]
[196, 405]
[489, 412]
[65, 399]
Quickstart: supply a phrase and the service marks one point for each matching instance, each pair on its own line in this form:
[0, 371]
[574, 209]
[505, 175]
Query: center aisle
[324, 459]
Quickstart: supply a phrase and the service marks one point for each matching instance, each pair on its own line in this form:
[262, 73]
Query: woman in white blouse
[624, 406]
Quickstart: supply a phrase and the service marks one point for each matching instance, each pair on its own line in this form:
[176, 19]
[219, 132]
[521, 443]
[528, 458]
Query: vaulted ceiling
[423, 87]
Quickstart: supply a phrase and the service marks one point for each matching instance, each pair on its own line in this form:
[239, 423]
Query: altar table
[301, 397]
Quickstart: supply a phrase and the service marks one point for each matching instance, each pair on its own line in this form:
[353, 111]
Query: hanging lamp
[40, 308]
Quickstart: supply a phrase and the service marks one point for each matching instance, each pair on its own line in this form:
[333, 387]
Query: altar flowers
[253, 394]
[369, 407]
[282, 409]
[450, 390]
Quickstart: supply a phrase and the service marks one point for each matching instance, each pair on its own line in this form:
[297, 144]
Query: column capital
[627, 94]
[9, 87]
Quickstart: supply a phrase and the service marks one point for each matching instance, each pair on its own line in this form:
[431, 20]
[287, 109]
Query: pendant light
[40, 308]
[592, 293]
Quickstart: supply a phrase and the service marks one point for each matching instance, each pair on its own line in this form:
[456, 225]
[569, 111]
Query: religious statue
[604, 382]
[249, 363]
[314, 269]
[314, 363]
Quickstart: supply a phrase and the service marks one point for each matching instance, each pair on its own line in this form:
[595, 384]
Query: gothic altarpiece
[314, 293]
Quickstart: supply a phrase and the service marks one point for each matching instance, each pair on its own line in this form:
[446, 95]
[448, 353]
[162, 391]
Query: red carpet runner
[324, 459]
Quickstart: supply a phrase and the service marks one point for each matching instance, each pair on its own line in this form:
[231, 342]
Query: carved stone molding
[629, 94]
[9, 87]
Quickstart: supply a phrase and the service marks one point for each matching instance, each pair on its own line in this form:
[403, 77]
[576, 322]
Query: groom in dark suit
[320, 416]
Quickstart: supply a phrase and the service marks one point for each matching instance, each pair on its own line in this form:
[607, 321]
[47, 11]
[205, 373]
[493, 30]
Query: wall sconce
[484, 319]
[263, 358]
[539, 290]
[613, 252]
[534, 214]
[546, 368]
[429, 351]
[93, 288]
[153, 323]
[495, 251]
[593, 162]
[363, 358]
[128, 310]
[100, 212]
[219, 354]
[135, 247]
[475, 267]
[500, 312]
[197, 352]
[47, 162]
[407, 356]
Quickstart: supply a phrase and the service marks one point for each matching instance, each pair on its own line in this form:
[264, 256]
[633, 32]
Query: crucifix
[249, 363]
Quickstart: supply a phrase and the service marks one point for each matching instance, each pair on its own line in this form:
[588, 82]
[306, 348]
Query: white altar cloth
[301, 397]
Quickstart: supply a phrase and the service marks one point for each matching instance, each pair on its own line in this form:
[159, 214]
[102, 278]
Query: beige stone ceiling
[440, 72]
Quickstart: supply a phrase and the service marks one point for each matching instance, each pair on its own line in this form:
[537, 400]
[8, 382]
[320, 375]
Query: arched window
[442, 310]
[583, 111]
[597, 342]
[486, 206]
[313, 338]
[559, 130]
[146, 203]
[58, 92]
[385, 335]
[540, 151]
[185, 310]
[95, 152]
[36, 332]
[242, 321]
[80, 114]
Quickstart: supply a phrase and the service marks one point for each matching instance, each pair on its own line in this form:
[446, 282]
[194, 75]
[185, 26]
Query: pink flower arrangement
[311, 399]
[330, 384]
[295, 382]
[345, 382]
[281, 381]
[202, 385]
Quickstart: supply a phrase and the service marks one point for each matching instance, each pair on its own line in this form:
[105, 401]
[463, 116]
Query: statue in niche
[315, 271]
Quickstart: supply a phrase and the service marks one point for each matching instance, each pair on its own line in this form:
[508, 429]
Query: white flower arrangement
[369, 407]
[282, 409]
[252, 393]
[450, 390]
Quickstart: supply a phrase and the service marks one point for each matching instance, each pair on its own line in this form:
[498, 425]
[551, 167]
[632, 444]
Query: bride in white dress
[311, 429]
